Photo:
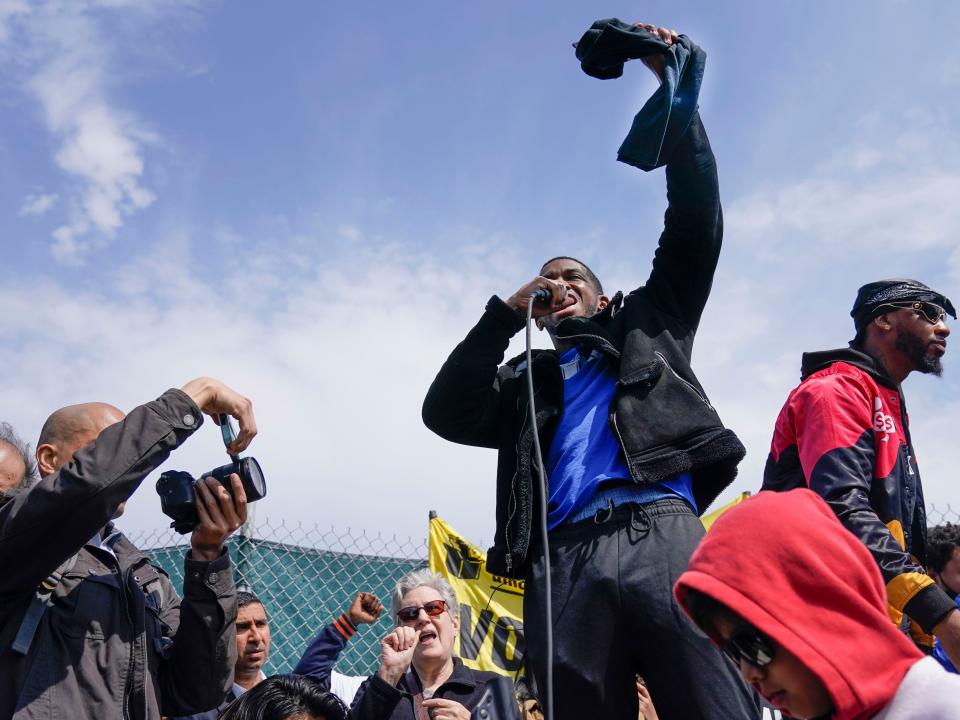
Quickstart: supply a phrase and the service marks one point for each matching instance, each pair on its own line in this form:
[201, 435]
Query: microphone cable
[548, 588]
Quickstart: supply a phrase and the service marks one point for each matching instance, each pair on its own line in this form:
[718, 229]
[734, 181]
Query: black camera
[177, 488]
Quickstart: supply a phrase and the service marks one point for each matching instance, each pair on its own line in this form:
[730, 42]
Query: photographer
[113, 639]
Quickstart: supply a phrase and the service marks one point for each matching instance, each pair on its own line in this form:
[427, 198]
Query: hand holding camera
[216, 505]
[215, 399]
[220, 513]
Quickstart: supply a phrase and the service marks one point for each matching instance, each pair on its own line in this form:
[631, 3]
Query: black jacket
[102, 649]
[377, 700]
[660, 413]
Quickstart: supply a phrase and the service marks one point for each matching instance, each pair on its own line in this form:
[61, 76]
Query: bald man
[113, 639]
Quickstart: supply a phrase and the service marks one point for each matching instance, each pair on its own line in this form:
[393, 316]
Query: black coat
[660, 413]
[377, 700]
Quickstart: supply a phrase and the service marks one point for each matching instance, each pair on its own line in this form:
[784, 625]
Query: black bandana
[873, 296]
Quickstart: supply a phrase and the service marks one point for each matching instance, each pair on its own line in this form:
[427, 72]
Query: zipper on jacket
[685, 382]
[513, 484]
[623, 447]
[131, 664]
[124, 600]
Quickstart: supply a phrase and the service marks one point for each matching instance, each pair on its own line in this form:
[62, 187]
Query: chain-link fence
[307, 575]
[941, 514]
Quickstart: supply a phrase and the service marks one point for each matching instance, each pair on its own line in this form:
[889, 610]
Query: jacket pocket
[91, 606]
[658, 410]
[645, 374]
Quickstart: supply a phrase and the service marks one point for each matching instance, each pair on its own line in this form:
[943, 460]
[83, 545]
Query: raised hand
[220, 513]
[213, 398]
[656, 62]
[396, 653]
[365, 609]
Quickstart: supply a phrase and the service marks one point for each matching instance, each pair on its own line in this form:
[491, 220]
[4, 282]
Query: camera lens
[254, 484]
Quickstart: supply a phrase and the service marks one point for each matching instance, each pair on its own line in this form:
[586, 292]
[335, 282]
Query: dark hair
[286, 696]
[245, 597]
[941, 540]
[8, 436]
[591, 276]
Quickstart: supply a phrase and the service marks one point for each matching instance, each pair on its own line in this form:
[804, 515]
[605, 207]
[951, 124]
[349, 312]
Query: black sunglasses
[434, 608]
[748, 644]
[931, 312]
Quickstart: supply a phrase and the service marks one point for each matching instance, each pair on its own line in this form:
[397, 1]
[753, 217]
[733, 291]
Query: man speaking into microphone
[633, 449]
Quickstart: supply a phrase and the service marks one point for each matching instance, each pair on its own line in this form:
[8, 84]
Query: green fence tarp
[303, 589]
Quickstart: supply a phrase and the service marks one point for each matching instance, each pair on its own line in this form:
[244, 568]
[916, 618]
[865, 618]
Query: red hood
[783, 562]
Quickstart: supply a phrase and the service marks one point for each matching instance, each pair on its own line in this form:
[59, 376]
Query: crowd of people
[824, 596]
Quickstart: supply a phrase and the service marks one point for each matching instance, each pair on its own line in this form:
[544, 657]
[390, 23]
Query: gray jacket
[117, 641]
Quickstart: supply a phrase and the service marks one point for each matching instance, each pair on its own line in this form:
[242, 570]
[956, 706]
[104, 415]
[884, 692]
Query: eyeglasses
[434, 608]
[931, 312]
[748, 644]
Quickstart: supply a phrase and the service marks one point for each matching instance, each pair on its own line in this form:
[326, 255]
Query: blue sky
[313, 201]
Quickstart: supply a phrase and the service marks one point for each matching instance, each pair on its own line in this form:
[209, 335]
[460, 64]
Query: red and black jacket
[844, 433]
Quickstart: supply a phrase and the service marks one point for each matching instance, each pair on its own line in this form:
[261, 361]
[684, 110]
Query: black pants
[614, 616]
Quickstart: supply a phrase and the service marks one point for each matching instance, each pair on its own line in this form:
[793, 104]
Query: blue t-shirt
[585, 454]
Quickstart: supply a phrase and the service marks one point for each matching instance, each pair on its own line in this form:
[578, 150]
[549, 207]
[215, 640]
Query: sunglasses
[748, 644]
[931, 312]
[433, 609]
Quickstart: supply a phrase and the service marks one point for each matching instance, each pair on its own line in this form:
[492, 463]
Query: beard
[916, 350]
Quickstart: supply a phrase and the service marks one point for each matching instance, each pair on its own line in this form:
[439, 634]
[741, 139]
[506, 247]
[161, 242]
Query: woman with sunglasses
[806, 625]
[420, 678]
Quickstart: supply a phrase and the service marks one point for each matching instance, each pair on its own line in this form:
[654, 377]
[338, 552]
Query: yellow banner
[491, 607]
[710, 518]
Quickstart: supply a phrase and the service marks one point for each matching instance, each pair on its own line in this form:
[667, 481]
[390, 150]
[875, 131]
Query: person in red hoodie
[807, 624]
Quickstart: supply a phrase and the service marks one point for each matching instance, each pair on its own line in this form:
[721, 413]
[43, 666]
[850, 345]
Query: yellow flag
[711, 518]
[491, 607]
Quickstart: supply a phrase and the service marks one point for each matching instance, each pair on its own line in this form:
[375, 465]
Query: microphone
[542, 295]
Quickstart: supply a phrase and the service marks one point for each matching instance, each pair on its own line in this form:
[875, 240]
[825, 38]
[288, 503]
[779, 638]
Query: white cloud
[68, 66]
[337, 361]
[38, 204]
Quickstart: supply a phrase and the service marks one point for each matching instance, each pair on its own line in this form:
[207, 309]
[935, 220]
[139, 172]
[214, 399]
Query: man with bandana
[843, 432]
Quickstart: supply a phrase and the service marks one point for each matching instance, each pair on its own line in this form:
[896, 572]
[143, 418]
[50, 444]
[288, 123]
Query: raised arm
[320, 657]
[689, 247]
[54, 519]
[199, 671]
